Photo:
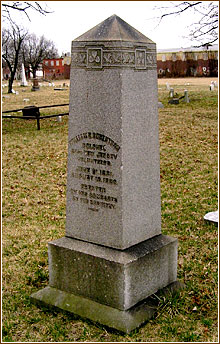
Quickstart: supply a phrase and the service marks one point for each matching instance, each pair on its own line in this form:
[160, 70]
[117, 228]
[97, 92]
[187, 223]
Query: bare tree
[35, 50]
[204, 31]
[12, 40]
[13, 35]
[9, 7]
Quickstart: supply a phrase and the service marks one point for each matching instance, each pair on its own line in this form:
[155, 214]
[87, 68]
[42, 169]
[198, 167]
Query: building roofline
[189, 49]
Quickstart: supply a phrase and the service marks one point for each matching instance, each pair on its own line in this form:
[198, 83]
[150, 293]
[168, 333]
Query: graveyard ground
[33, 204]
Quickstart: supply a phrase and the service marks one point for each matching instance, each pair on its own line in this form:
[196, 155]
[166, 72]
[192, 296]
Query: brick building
[188, 62]
[170, 63]
[53, 68]
[67, 63]
[57, 68]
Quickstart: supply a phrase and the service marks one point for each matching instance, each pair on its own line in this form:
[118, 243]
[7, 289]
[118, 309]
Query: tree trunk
[10, 83]
[34, 73]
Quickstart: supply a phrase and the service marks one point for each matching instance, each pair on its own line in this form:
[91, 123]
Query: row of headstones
[185, 97]
[212, 86]
[35, 87]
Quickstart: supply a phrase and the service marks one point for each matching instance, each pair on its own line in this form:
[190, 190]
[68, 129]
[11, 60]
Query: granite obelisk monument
[113, 256]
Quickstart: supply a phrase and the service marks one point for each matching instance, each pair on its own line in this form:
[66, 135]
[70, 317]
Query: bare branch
[24, 7]
[187, 6]
[206, 27]
[35, 50]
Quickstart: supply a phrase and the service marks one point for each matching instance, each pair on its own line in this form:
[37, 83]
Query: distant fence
[33, 112]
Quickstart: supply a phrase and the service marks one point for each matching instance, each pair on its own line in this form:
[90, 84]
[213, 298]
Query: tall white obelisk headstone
[23, 76]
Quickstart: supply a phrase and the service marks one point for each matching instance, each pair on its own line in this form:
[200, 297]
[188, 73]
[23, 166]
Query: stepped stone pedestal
[114, 256]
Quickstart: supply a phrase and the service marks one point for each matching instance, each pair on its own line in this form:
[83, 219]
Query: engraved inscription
[97, 136]
[93, 171]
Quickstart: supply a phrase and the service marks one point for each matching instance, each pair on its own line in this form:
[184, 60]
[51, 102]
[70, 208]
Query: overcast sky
[70, 19]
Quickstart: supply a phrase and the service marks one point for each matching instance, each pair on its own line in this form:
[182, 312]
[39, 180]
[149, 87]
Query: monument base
[110, 286]
[35, 88]
[122, 320]
[116, 278]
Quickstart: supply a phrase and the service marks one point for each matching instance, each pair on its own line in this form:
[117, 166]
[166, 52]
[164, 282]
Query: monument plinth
[113, 255]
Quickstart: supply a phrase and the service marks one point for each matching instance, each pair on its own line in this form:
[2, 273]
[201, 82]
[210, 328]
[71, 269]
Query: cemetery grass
[33, 205]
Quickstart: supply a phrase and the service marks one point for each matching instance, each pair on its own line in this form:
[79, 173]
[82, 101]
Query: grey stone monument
[113, 256]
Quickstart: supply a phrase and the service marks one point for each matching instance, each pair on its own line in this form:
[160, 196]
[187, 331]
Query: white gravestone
[23, 76]
[212, 217]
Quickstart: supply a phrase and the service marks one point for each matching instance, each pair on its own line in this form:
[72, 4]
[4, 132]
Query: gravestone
[186, 97]
[212, 217]
[167, 86]
[171, 93]
[113, 256]
[35, 86]
[23, 77]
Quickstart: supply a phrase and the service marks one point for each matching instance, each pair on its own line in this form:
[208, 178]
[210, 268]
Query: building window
[57, 63]
[174, 57]
[195, 57]
[52, 63]
[163, 58]
[46, 63]
[205, 56]
[183, 57]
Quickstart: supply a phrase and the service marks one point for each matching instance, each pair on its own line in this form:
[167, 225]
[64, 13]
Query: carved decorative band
[97, 58]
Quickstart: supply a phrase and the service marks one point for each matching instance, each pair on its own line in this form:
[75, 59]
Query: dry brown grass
[34, 188]
[199, 82]
[45, 96]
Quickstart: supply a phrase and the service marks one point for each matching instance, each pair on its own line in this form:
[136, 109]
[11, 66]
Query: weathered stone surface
[114, 255]
[113, 29]
[116, 278]
[113, 184]
[112, 44]
[121, 320]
